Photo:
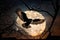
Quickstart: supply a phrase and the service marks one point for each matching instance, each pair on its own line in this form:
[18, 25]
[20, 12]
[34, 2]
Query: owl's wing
[37, 21]
[24, 17]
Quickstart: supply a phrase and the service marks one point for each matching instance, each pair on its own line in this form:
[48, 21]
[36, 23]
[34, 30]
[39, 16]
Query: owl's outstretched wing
[24, 17]
[37, 21]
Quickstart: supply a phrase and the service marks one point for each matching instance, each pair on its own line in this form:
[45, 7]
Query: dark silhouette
[37, 21]
[24, 18]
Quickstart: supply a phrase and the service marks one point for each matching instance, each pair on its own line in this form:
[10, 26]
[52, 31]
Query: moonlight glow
[35, 30]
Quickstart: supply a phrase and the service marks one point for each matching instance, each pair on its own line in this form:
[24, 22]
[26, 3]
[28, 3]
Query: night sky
[8, 7]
